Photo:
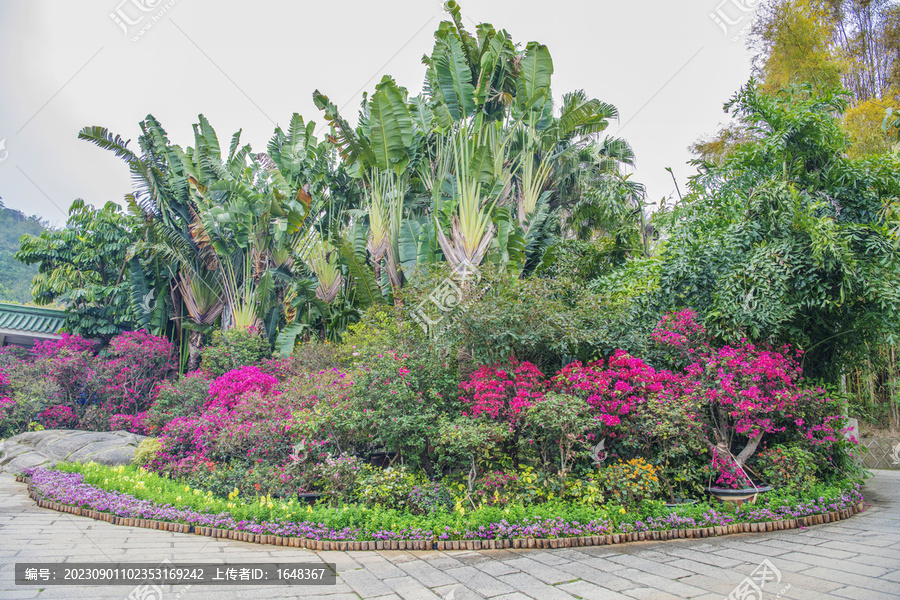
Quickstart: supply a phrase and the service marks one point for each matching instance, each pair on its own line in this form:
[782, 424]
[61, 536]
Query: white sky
[666, 65]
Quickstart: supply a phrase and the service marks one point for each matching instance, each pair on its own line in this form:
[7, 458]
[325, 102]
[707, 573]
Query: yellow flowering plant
[629, 482]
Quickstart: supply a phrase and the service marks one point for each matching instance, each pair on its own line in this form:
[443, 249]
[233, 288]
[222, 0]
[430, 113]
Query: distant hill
[15, 277]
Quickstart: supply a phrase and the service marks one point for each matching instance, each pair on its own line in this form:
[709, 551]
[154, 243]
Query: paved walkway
[858, 558]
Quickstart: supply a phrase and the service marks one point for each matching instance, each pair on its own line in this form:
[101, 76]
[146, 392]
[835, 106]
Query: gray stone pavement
[857, 558]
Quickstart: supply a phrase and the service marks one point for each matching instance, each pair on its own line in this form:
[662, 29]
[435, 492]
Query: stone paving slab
[854, 559]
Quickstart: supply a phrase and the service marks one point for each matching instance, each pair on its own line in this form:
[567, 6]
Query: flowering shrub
[502, 394]
[258, 428]
[319, 389]
[429, 498]
[629, 482]
[226, 391]
[743, 393]
[133, 423]
[137, 361]
[729, 474]
[67, 344]
[679, 330]
[58, 417]
[70, 364]
[177, 398]
[338, 477]
[242, 419]
[8, 425]
[614, 391]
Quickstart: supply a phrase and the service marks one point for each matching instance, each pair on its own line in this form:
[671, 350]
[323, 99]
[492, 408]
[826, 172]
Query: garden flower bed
[127, 498]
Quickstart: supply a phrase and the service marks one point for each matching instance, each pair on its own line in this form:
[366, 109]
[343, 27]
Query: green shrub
[558, 425]
[315, 355]
[465, 442]
[178, 398]
[790, 467]
[388, 488]
[397, 401]
[233, 349]
[146, 452]
[337, 477]
[31, 392]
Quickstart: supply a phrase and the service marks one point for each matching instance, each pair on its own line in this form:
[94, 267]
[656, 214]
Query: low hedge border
[495, 544]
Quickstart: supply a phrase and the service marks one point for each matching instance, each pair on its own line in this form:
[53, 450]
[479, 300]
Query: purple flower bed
[70, 489]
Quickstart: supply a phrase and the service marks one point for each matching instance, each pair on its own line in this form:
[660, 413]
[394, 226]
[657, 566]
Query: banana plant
[477, 189]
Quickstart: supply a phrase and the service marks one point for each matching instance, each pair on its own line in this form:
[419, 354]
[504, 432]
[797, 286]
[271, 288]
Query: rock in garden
[32, 449]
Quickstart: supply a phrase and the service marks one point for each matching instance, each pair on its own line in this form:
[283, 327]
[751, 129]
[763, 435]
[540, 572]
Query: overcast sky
[668, 67]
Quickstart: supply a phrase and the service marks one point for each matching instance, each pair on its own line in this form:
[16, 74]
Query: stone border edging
[495, 544]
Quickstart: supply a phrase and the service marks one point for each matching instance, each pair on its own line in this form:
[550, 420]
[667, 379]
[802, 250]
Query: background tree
[85, 267]
[15, 276]
[786, 241]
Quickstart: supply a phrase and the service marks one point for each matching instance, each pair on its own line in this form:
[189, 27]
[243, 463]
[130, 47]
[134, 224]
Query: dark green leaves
[391, 127]
[533, 85]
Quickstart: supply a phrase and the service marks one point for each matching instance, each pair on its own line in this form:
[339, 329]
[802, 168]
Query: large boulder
[33, 449]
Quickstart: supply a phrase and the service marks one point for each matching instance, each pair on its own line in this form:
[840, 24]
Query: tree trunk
[195, 342]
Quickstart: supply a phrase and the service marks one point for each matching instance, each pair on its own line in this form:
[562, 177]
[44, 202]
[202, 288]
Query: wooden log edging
[495, 544]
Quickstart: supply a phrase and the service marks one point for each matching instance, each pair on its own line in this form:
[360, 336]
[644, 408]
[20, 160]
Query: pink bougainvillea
[133, 423]
[137, 362]
[502, 393]
[681, 331]
[613, 390]
[225, 391]
[746, 392]
[58, 417]
[69, 362]
[68, 343]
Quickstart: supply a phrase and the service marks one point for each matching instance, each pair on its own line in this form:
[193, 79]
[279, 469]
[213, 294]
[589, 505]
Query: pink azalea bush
[242, 418]
[66, 344]
[8, 423]
[69, 363]
[613, 389]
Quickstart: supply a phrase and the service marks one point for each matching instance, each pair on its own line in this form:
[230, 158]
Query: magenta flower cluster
[502, 393]
[227, 390]
[58, 417]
